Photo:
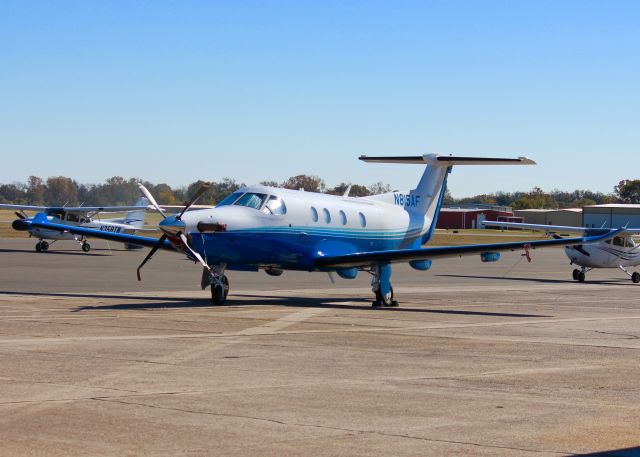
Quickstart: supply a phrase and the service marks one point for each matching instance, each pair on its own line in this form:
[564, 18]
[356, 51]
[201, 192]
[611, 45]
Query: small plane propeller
[20, 215]
[171, 227]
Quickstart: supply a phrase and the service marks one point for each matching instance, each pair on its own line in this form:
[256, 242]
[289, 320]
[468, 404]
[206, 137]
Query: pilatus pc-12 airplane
[272, 229]
[618, 252]
[80, 216]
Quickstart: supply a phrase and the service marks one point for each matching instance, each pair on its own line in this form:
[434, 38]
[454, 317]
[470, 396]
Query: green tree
[628, 191]
[35, 190]
[306, 182]
[61, 190]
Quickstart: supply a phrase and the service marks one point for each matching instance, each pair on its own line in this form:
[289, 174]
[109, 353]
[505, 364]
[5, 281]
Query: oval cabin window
[314, 214]
[363, 220]
[343, 218]
[327, 215]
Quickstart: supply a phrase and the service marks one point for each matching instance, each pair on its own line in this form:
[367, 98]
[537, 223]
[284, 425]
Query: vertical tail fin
[136, 218]
[426, 198]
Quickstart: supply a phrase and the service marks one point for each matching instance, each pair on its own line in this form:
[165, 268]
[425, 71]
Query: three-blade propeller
[201, 191]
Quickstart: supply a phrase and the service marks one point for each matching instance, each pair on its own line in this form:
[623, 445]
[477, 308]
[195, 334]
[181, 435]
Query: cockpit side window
[629, 243]
[230, 199]
[73, 217]
[251, 200]
[618, 241]
[275, 206]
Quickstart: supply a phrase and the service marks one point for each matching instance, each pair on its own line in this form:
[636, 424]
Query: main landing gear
[219, 283]
[580, 275]
[42, 246]
[635, 276]
[86, 247]
[381, 286]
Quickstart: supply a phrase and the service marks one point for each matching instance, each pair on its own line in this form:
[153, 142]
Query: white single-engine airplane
[277, 229]
[618, 252]
[80, 216]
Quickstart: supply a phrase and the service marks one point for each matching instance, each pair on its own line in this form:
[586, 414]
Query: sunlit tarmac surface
[507, 358]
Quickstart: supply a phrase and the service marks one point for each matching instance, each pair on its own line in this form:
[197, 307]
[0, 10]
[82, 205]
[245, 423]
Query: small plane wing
[40, 221]
[406, 255]
[556, 228]
[77, 209]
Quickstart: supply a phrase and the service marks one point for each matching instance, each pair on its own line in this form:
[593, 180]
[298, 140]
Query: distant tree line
[60, 190]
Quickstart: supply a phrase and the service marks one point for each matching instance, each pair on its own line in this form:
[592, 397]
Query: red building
[471, 218]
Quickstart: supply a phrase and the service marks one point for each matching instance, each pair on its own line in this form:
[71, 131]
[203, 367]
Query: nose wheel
[42, 246]
[580, 275]
[219, 289]
[86, 247]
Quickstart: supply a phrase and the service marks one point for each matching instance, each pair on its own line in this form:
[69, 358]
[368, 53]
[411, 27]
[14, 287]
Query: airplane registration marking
[110, 228]
[410, 200]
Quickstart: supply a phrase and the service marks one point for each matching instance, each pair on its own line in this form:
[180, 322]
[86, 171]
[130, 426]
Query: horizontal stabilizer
[447, 161]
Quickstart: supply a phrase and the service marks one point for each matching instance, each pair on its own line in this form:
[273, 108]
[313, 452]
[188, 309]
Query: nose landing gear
[42, 246]
[219, 283]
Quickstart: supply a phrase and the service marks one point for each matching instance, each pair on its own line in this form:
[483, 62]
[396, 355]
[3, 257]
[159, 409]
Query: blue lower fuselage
[293, 248]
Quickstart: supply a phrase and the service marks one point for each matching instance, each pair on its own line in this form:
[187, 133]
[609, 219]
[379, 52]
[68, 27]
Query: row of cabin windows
[326, 215]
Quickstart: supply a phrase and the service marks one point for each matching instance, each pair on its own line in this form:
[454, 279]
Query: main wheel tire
[381, 300]
[44, 245]
[581, 276]
[38, 246]
[576, 272]
[219, 292]
[635, 277]
[86, 247]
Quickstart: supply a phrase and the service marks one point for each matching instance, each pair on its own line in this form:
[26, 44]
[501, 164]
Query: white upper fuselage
[619, 252]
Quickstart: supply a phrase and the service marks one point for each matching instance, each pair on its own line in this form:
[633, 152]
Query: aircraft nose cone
[172, 225]
[20, 225]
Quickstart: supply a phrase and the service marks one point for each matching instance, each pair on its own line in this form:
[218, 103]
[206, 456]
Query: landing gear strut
[219, 284]
[635, 276]
[381, 286]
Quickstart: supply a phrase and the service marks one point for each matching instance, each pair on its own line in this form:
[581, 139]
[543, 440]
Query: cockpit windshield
[275, 206]
[251, 200]
[230, 199]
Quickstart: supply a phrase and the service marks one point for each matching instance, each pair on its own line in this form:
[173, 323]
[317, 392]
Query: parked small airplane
[81, 216]
[277, 229]
[621, 251]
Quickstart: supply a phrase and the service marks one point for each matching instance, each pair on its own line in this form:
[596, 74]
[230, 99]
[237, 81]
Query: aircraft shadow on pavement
[608, 282]
[155, 302]
[92, 253]
[294, 302]
[628, 452]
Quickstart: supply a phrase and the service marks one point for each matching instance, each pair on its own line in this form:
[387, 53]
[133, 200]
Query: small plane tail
[426, 198]
[136, 217]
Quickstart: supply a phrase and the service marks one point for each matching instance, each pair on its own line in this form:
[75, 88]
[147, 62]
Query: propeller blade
[194, 253]
[151, 252]
[20, 216]
[201, 191]
[152, 200]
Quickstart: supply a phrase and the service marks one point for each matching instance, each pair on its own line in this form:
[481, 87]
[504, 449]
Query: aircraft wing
[40, 221]
[359, 259]
[541, 227]
[78, 209]
[24, 207]
[556, 228]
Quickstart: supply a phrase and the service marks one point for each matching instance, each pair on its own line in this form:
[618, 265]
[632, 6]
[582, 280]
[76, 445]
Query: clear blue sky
[174, 91]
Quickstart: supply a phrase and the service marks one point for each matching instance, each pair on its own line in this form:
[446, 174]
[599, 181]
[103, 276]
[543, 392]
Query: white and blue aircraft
[618, 252]
[80, 216]
[273, 229]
